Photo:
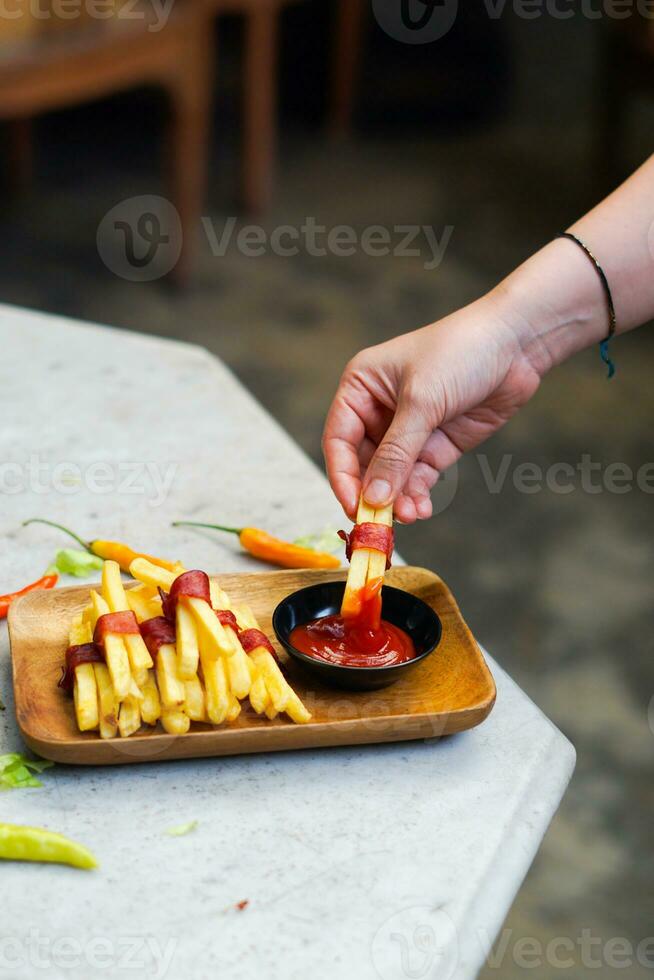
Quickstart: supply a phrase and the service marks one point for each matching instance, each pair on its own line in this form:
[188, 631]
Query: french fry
[85, 695]
[144, 571]
[366, 565]
[129, 717]
[377, 562]
[151, 703]
[107, 703]
[97, 608]
[214, 641]
[188, 652]
[259, 697]
[171, 688]
[296, 711]
[80, 631]
[280, 696]
[115, 652]
[115, 597]
[238, 667]
[234, 710]
[276, 685]
[240, 679]
[216, 688]
[118, 664]
[85, 698]
[175, 722]
[194, 702]
[358, 570]
[116, 697]
[143, 602]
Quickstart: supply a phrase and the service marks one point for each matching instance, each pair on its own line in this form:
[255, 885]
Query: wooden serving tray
[451, 690]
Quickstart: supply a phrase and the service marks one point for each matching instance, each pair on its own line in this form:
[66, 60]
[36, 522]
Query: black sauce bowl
[400, 608]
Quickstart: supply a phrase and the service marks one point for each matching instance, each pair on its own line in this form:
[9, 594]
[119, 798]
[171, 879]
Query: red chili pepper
[47, 581]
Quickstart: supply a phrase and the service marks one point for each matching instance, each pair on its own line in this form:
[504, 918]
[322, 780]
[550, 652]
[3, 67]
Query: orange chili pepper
[264, 546]
[47, 581]
[107, 550]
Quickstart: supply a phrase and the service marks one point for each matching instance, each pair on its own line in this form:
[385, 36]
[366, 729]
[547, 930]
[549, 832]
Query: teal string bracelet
[604, 345]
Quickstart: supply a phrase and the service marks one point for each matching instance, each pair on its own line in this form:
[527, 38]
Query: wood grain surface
[451, 690]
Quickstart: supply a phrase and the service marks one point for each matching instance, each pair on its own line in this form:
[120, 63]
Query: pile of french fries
[367, 567]
[204, 676]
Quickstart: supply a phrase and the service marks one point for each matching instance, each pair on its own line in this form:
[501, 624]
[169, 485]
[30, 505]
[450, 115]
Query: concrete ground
[557, 586]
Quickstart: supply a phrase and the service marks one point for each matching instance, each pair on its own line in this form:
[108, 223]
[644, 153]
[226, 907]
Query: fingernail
[378, 493]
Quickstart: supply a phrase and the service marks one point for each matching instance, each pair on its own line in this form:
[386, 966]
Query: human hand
[409, 408]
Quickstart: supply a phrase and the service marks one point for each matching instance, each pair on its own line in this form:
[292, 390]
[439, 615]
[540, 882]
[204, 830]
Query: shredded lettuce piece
[15, 771]
[71, 561]
[184, 828]
[326, 540]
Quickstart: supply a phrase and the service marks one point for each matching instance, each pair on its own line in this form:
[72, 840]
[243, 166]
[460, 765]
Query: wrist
[555, 305]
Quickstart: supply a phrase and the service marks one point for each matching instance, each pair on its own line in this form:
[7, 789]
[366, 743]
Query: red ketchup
[362, 641]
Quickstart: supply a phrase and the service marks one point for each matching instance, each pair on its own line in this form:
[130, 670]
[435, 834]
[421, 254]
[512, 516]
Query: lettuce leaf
[326, 540]
[71, 561]
[16, 771]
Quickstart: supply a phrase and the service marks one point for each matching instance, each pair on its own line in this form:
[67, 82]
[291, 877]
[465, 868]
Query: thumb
[396, 456]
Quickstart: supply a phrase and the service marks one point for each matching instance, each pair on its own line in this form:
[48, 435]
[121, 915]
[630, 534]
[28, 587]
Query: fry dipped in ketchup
[359, 637]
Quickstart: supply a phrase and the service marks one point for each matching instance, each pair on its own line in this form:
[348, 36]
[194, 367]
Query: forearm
[555, 301]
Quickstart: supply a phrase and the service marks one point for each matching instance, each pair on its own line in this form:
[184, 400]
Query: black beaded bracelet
[604, 345]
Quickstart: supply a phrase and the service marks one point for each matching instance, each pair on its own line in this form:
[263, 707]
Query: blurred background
[495, 136]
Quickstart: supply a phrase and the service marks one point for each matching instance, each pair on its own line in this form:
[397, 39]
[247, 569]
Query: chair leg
[20, 160]
[190, 92]
[346, 61]
[260, 109]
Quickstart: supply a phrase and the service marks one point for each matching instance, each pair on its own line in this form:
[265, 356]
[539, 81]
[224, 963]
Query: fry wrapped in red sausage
[85, 653]
[118, 623]
[227, 618]
[374, 537]
[190, 585]
[156, 632]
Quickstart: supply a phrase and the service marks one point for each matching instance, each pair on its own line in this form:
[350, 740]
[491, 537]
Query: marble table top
[393, 861]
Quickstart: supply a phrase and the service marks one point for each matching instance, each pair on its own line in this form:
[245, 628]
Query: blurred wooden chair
[261, 83]
[259, 94]
[63, 67]
[346, 63]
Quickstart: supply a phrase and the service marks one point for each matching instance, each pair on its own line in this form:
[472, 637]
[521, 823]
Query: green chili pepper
[35, 844]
